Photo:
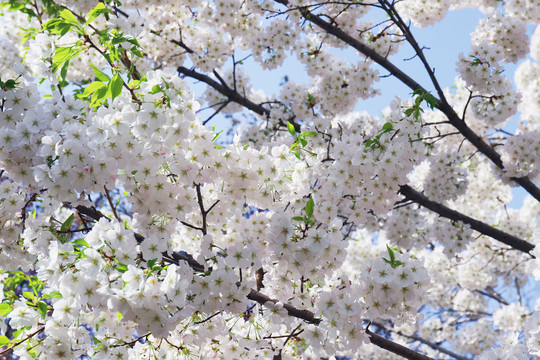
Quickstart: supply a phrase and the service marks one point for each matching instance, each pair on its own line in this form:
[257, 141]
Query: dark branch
[395, 348]
[225, 90]
[431, 344]
[479, 226]
[231, 94]
[306, 315]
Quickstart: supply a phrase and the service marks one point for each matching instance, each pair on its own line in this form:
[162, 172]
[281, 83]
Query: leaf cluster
[7, 85]
[300, 141]
[392, 261]
[375, 143]
[308, 213]
[416, 109]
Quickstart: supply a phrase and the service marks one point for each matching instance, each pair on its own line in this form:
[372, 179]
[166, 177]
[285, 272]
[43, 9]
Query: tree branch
[479, 226]
[225, 90]
[395, 348]
[431, 344]
[231, 94]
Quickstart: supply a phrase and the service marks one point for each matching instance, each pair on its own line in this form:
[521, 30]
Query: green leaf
[19, 332]
[151, 263]
[63, 28]
[311, 100]
[121, 267]
[100, 75]
[92, 87]
[115, 86]
[61, 54]
[81, 242]
[155, 89]
[8, 84]
[69, 16]
[431, 101]
[52, 24]
[67, 224]
[136, 52]
[52, 295]
[298, 218]
[291, 128]
[5, 308]
[217, 135]
[387, 127]
[29, 295]
[4, 340]
[134, 84]
[63, 70]
[98, 96]
[43, 309]
[309, 207]
[99, 9]
[391, 253]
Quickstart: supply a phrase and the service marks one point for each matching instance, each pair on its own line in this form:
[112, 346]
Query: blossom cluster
[130, 229]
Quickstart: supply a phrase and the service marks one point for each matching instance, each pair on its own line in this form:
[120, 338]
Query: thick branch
[431, 344]
[442, 105]
[225, 90]
[291, 310]
[231, 94]
[479, 226]
[395, 348]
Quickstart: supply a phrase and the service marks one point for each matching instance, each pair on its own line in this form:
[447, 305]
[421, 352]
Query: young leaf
[100, 75]
[81, 242]
[5, 308]
[115, 86]
[4, 340]
[155, 89]
[67, 224]
[99, 9]
[98, 96]
[121, 267]
[91, 88]
[63, 70]
[61, 54]
[309, 207]
[387, 127]
[391, 253]
[43, 309]
[52, 295]
[68, 15]
[291, 129]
